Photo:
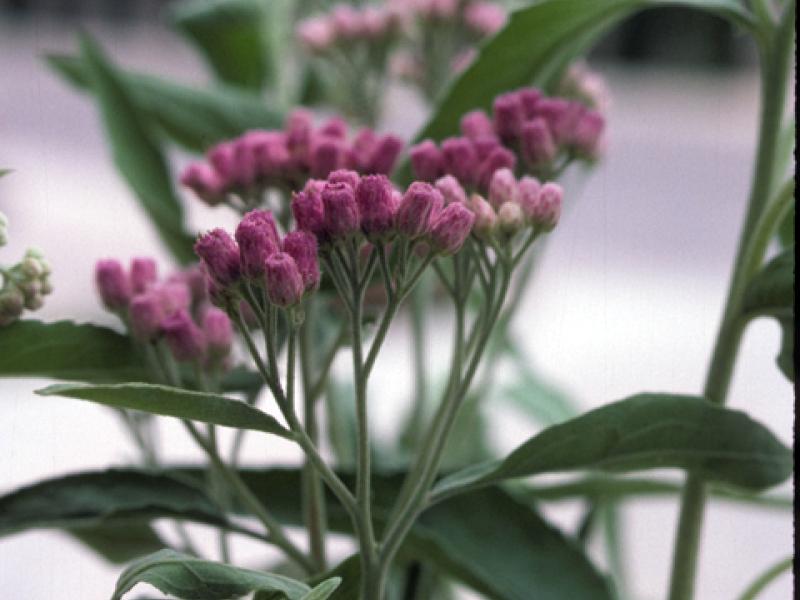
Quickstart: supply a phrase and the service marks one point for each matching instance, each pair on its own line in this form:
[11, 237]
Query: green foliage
[137, 154]
[119, 543]
[324, 590]
[191, 578]
[644, 432]
[173, 402]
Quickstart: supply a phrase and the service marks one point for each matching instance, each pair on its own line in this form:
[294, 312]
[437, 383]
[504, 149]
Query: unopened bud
[548, 206]
[283, 280]
[327, 154]
[204, 182]
[451, 228]
[476, 124]
[509, 115]
[503, 188]
[587, 134]
[510, 218]
[376, 206]
[499, 158]
[302, 247]
[12, 303]
[529, 188]
[308, 211]
[538, 147]
[112, 284]
[451, 190]
[485, 217]
[384, 155]
[340, 210]
[460, 159]
[144, 273]
[347, 176]
[184, 338]
[220, 255]
[219, 335]
[146, 314]
[257, 237]
[426, 161]
[420, 204]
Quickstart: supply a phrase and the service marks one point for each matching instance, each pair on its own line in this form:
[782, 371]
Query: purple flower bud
[204, 182]
[426, 161]
[245, 168]
[475, 124]
[385, 155]
[451, 190]
[216, 295]
[484, 18]
[327, 154]
[335, 127]
[218, 333]
[112, 284]
[302, 247]
[173, 296]
[220, 255]
[420, 205]
[257, 237]
[283, 280]
[529, 188]
[269, 152]
[538, 147]
[485, 217]
[587, 133]
[308, 212]
[375, 205]
[146, 314]
[450, 228]
[510, 218]
[346, 22]
[223, 159]
[485, 145]
[340, 210]
[560, 116]
[298, 130]
[460, 159]
[503, 188]
[548, 206]
[143, 273]
[316, 34]
[498, 158]
[509, 115]
[529, 98]
[184, 338]
[362, 149]
[351, 178]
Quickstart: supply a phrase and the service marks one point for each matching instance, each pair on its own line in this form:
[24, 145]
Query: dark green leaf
[644, 432]
[786, 229]
[120, 543]
[192, 578]
[173, 402]
[232, 36]
[66, 350]
[137, 155]
[349, 574]
[324, 590]
[192, 117]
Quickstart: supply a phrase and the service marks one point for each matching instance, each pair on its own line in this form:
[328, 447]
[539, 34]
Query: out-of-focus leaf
[4, 172]
[232, 35]
[644, 432]
[349, 573]
[191, 578]
[194, 118]
[120, 543]
[324, 590]
[137, 155]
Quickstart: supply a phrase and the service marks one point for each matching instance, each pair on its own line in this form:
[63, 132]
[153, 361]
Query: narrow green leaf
[173, 402]
[194, 118]
[348, 572]
[120, 543]
[324, 590]
[191, 578]
[69, 351]
[644, 432]
[137, 155]
[232, 35]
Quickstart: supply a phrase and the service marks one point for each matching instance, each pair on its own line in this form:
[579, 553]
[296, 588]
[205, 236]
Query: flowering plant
[277, 326]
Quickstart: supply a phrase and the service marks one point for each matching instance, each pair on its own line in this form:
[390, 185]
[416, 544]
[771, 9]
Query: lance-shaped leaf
[173, 402]
[120, 543]
[191, 578]
[646, 431]
[324, 590]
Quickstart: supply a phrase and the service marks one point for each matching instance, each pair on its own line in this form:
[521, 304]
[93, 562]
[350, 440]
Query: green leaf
[324, 590]
[137, 155]
[646, 431]
[120, 543]
[232, 36]
[173, 402]
[192, 117]
[4, 172]
[192, 578]
[69, 351]
[348, 572]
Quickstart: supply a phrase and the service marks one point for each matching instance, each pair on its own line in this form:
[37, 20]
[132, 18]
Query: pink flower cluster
[480, 16]
[523, 123]
[287, 268]
[346, 25]
[347, 205]
[176, 310]
[285, 159]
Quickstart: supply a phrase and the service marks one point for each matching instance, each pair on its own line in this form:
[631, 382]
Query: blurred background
[627, 295]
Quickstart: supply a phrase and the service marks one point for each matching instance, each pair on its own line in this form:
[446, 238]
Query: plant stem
[763, 580]
[775, 51]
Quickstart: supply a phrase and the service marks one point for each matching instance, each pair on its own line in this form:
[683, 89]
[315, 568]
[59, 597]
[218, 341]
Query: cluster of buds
[286, 269]
[24, 284]
[347, 206]
[581, 83]
[175, 310]
[245, 167]
[546, 133]
[345, 26]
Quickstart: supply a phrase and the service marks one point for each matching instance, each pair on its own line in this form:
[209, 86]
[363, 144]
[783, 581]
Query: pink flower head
[284, 282]
[112, 284]
[451, 190]
[269, 152]
[347, 23]
[529, 188]
[485, 217]
[316, 34]
[340, 210]
[327, 154]
[257, 236]
[460, 159]
[538, 146]
[420, 205]
[220, 255]
[548, 206]
[173, 296]
[426, 161]
[223, 159]
[498, 158]
[509, 115]
[451, 228]
[510, 218]
[184, 338]
[362, 148]
[302, 247]
[484, 18]
[503, 188]
[560, 116]
[475, 124]
[143, 274]
[587, 133]
[204, 182]
[375, 206]
[384, 155]
[529, 98]
[351, 178]
[335, 127]
[146, 313]
[308, 211]
[218, 334]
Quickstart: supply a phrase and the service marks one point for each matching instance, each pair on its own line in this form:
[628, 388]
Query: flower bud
[112, 284]
[509, 115]
[587, 133]
[560, 116]
[538, 147]
[146, 313]
[498, 158]
[484, 18]
[548, 206]
[335, 127]
[426, 161]
[340, 210]
[420, 204]
[12, 303]
[351, 178]
[218, 333]
[510, 218]
[485, 217]
[302, 247]
[450, 228]
[143, 274]
[346, 22]
[484, 145]
[298, 131]
[460, 159]
[375, 205]
[173, 296]
[220, 255]
[529, 188]
[327, 154]
[308, 212]
[269, 153]
[476, 124]
[47, 286]
[316, 34]
[283, 280]
[204, 182]
[257, 237]
[503, 188]
[362, 148]
[451, 190]
[184, 338]
[223, 159]
[384, 155]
